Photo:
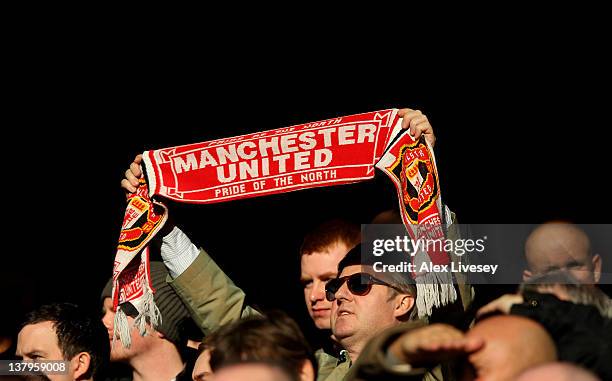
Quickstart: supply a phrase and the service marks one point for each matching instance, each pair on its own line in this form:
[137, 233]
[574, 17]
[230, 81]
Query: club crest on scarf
[418, 179]
[132, 278]
[141, 220]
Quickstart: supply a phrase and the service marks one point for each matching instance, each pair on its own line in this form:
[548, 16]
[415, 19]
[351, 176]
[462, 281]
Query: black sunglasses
[358, 284]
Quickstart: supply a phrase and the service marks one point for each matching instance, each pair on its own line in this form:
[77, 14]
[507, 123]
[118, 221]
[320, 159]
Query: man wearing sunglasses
[364, 303]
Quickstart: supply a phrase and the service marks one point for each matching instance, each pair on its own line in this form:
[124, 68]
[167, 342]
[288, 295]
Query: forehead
[202, 364]
[556, 243]
[107, 304]
[250, 372]
[324, 261]
[557, 252]
[353, 269]
[38, 337]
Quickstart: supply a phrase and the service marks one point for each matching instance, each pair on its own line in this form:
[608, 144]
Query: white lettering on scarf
[277, 154]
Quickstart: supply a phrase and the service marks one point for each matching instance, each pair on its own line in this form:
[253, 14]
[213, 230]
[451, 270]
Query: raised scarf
[329, 152]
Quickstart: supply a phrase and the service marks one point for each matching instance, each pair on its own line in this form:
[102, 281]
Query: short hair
[329, 233]
[76, 332]
[274, 339]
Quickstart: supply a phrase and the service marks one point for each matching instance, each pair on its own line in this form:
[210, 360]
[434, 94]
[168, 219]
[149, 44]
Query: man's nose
[108, 319]
[343, 294]
[318, 292]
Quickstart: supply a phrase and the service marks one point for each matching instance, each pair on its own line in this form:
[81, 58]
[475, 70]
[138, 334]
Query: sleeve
[375, 363]
[177, 252]
[211, 296]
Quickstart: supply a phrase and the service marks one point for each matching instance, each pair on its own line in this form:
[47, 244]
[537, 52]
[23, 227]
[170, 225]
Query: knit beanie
[173, 312]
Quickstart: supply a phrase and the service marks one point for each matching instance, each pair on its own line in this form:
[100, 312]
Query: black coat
[582, 335]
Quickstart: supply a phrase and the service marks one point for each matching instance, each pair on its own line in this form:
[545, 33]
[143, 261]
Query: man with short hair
[555, 246]
[320, 253]
[274, 339]
[62, 332]
[365, 303]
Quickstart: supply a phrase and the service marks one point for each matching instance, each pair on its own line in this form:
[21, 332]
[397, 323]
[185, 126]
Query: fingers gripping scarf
[330, 152]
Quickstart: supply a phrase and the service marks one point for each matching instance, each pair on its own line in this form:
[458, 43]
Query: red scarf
[329, 152]
[411, 166]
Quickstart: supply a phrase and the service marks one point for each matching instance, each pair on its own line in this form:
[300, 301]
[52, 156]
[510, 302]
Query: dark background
[522, 138]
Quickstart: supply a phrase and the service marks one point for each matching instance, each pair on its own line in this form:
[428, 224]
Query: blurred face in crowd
[317, 268]
[201, 369]
[561, 246]
[355, 319]
[38, 342]
[512, 345]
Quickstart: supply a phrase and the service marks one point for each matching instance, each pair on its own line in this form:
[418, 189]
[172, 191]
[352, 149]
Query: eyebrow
[574, 262]
[328, 274]
[568, 264]
[33, 352]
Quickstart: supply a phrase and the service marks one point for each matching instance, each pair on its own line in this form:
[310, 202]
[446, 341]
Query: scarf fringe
[434, 290]
[148, 311]
[148, 314]
[121, 329]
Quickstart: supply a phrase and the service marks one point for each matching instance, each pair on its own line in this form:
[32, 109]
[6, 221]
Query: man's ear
[403, 305]
[526, 275]
[80, 364]
[596, 267]
[307, 373]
